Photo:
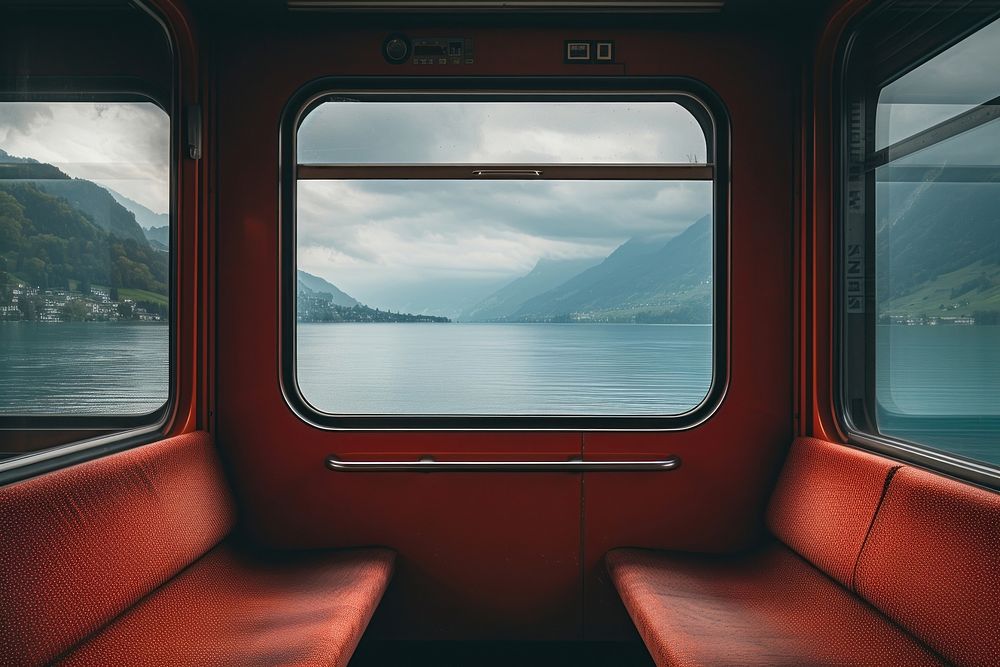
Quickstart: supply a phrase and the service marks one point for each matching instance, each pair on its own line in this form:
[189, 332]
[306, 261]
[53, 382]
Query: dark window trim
[701, 101]
[122, 89]
[861, 428]
[30, 464]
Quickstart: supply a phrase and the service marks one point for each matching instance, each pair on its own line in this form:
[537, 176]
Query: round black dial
[396, 49]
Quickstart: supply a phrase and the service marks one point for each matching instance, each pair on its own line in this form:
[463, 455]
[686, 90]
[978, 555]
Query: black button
[396, 48]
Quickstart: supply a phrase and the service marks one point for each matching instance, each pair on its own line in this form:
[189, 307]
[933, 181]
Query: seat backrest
[922, 548]
[80, 545]
[825, 502]
[932, 564]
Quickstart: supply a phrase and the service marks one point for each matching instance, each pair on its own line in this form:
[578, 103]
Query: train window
[504, 261]
[84, 262]
[920, 255]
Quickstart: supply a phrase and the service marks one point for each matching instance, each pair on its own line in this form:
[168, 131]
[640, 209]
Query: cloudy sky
[123, 146]
[434, 246]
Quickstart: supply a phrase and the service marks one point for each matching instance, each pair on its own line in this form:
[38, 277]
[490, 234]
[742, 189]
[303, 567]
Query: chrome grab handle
[429, 464]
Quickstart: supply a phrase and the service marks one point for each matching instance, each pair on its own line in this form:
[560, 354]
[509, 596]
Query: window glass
[467, 132]
[956, 80]
[922, 226]
[578, 295]
[84, 259]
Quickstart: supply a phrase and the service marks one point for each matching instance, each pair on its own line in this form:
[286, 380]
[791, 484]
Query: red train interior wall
[502, 556]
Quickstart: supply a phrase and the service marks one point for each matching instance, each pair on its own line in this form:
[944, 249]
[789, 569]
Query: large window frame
[864, 69]
[57, 441]
[698, 99]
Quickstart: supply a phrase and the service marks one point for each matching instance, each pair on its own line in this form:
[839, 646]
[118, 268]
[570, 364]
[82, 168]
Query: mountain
[48, 242]
[160, 235]
[310, 284]
[938, 249]
[442, 297]
[89, 198]
[546, 274]
[321, 301]
[972, 290]
[645, 279]
[147, 218]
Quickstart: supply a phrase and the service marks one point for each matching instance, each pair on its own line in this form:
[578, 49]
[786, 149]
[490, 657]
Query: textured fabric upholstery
[229, 609]
[920, 552]
[118, 561]
[824, 503]
[768, 608]
[80, 545]
[932, 563]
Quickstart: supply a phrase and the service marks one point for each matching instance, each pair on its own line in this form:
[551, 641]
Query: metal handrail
[430, 464]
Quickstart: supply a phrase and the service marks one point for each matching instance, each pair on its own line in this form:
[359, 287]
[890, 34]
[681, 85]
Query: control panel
[400, 49]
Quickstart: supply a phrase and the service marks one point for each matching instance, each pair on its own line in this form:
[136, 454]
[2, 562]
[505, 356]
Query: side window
[920, 254]
[84, 259]
[500, 261]
[86, 229]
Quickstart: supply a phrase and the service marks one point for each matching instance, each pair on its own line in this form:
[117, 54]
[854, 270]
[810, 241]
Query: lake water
[85, 368]
[949, 376]
[532, 369]
[497, 369]
[939, 370]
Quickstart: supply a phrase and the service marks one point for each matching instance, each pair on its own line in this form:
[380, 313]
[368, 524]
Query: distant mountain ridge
[645, 279]
[319, 300]
[148, 219]
[310, 284]
[544, 276]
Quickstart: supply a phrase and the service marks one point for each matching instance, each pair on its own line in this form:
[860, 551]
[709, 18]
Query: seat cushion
[824, 503]
[932, 564]
[767, 608]
[232, 609]
[80, 545]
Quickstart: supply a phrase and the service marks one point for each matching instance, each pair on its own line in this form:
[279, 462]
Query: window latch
[193, 139]
[506, 173]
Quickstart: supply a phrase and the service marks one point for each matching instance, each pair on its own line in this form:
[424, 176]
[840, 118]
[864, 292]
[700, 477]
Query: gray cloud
[21, 118]
[463, 132]
[370, 236]
[123, 146]
[404, 243]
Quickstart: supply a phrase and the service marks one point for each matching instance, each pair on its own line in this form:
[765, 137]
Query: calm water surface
[947, 375]
[534, 369]
[530, 369]
[86, 368]
[939, 370]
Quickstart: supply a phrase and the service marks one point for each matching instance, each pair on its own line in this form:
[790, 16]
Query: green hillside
[938, 250]
[47, 243]
[972, 289]
[93, 201]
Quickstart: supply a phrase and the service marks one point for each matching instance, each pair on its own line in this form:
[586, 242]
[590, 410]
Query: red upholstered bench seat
[124, 560]
[877, 563]
[769, 608]
[230, 608]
